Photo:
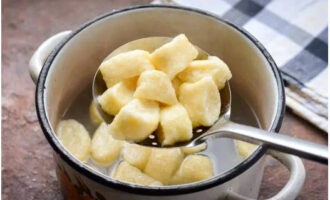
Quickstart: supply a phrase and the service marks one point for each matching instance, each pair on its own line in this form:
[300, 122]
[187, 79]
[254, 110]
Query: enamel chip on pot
[202, 101]
[175, 125]
[173, 57]
[105, 149]
[125, 65]
[213, 67]
[163, 163]
[127, 173]
[193, 168]
[155, 85]
[136, 120]
[74, 138]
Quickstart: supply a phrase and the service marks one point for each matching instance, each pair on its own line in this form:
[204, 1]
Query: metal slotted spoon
[224, 127]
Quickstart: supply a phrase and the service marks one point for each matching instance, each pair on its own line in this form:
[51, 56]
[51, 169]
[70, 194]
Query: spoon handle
[280, 142]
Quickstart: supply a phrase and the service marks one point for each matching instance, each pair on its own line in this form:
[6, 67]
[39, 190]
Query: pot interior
[256, 97]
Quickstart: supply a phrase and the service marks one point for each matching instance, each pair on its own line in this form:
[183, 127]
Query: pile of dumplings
[136, 164]
[166, 91]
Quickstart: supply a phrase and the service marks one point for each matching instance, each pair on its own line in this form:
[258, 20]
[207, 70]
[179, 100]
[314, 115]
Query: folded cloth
[295, 32]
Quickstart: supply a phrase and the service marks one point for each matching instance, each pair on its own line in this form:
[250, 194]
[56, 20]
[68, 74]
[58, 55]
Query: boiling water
[222, 150]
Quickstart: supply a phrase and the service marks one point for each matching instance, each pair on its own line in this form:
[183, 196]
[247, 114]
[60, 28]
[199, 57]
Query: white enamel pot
[64, 65]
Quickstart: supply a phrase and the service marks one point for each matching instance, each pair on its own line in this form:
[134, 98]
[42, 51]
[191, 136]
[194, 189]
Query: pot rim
[164, 190]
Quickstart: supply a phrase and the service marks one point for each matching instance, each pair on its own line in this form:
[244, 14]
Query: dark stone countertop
[27, 164]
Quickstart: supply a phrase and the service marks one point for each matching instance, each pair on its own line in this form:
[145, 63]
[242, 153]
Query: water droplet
[199, 130]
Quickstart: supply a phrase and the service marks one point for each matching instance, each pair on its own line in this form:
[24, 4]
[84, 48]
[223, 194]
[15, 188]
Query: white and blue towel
[295, 32]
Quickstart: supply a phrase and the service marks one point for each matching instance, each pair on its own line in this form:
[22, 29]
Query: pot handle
[40, 55]
[294, 184]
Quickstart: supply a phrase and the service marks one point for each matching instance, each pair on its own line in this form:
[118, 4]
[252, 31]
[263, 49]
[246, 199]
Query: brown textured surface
[275, 176]
[27, 165]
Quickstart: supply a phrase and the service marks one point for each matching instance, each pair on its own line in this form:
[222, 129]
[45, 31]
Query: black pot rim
[143, 190]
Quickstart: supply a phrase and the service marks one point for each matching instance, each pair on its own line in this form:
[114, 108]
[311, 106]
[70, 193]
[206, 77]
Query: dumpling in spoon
[125, 65]
[174, 56]
[136, 120]
[94, 114]
[117, 96]
[175, 125]
[213, 67]
[202, 101]
[155, 85]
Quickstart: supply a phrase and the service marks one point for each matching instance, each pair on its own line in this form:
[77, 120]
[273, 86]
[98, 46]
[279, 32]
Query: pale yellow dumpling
[202, 101]
[136, 155]
[75, 138]
[136, 120]
[117, 96]
[193, 168]
[176, 82]
[155, 85]
[244, 148]
[127, 173]
[193, 150]
[175, 125]
[105, 149]
[94, 114]
[213, 67]
[174, 56]
[163, 163]
[125, 65]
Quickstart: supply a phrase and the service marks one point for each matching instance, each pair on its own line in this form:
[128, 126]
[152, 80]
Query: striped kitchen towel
[295, 32]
